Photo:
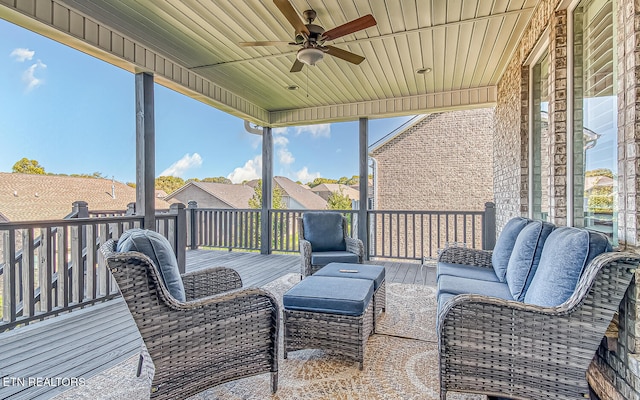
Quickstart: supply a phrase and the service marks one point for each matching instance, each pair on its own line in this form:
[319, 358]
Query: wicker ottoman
[329, 313]
[376, 273]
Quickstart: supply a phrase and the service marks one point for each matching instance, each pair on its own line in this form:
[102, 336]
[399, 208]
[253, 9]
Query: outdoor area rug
[401, 362]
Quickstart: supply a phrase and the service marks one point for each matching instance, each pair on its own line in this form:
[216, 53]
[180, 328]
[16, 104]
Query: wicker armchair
[220, 333]
[354, 248]
[512, 349]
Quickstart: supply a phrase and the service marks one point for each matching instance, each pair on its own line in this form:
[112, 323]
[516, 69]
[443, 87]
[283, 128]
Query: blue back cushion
[158, 249]
[504, 246]
[525, 257]
[324, 230]
[564, 257]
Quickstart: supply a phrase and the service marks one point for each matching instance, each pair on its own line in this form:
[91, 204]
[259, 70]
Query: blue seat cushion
[326, 257]
[324, 230]
[526, 256]
[327, 294]
[467, 271]
[458, 285]
[158, 249]
[375, 273]
[504, 246]
[565, 255]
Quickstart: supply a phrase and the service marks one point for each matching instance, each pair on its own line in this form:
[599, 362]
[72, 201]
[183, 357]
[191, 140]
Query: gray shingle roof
[236, 196]
[305, 197]
[26, 197]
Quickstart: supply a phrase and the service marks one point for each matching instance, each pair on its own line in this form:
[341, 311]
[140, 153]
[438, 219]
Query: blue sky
[75, 114]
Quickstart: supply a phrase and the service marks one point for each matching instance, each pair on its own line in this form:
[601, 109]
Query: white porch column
[145, 150]
[363, 150]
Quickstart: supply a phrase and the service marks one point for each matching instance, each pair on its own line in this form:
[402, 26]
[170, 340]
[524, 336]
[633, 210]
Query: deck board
[85, 342]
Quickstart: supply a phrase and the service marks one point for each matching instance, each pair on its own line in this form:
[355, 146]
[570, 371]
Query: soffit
[192, 46]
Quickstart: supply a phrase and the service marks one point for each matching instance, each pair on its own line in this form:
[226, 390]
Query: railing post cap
[490, 204]
[80, 203]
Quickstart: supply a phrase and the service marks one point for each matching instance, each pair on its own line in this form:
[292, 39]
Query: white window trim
[536, 54]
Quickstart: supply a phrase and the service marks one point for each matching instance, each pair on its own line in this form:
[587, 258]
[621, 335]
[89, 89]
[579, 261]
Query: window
[540, 160]
[595, 130]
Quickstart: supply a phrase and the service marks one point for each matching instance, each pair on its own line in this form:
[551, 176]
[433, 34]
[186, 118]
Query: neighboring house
[327, 189]
[441, 161]
[213, 195]
[297, 197]
[294, 195]
[27, 197]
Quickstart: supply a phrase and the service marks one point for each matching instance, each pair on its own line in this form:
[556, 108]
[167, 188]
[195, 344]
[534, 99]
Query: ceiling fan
[312, 37]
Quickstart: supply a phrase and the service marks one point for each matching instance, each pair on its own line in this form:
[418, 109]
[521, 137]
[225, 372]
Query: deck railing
[51, 267]
[414, 235]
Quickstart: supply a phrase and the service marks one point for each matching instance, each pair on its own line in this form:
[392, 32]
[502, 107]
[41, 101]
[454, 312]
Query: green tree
[26, 166]
[169, 183]
[320, 181]
[338, 201]
[599, 172]
[218, 179]
[131, 184]
[256, 201]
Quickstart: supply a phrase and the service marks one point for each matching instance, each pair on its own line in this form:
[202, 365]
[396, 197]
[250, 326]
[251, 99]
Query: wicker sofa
[534, 340]
[201, 328]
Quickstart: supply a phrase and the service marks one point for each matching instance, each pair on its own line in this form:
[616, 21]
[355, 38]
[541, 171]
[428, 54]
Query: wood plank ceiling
[466, 44]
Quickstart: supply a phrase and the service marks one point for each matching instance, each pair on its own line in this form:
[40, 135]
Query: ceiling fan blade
[354, 26]
[297, 66]
[292, 16]
[345, 55]
[264, 43]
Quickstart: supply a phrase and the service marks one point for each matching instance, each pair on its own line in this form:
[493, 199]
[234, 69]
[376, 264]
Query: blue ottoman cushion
[330, 295]
[458, 285]
[365, 271]
[158, 249]
[326, 257]
[467, 271]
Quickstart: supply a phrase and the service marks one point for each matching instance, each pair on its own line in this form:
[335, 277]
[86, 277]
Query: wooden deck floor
[85, 342]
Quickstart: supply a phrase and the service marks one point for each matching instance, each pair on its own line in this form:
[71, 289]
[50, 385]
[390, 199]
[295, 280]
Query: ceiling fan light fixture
[310, 55]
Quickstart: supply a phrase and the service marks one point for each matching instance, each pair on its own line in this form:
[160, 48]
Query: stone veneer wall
[615, 373]
[444, 162]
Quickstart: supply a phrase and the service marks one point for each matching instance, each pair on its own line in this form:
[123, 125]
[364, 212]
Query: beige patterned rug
[401, 362]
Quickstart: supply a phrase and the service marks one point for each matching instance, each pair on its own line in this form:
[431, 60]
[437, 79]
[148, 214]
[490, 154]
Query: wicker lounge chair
[517, 350]
[323, 240]
[220, 333]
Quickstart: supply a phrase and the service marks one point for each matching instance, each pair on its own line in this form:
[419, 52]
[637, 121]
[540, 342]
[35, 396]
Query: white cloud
[280, 140]
[305, 176]
[21, 55]
[28, 76]
[252, 169]
[285, 157]
[320, 130]
[184, 164]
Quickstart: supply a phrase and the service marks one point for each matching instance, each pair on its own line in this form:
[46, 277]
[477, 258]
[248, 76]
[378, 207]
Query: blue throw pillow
[565, 255]
[324, 230]
[526, 256]
[158, 249]
[504, 246]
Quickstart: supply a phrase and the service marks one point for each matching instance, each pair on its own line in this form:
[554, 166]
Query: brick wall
[444, 162]
[615, 373]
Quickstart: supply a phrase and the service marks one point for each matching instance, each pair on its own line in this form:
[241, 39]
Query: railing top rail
[228, 209]
[449, 212]
[66, 222]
